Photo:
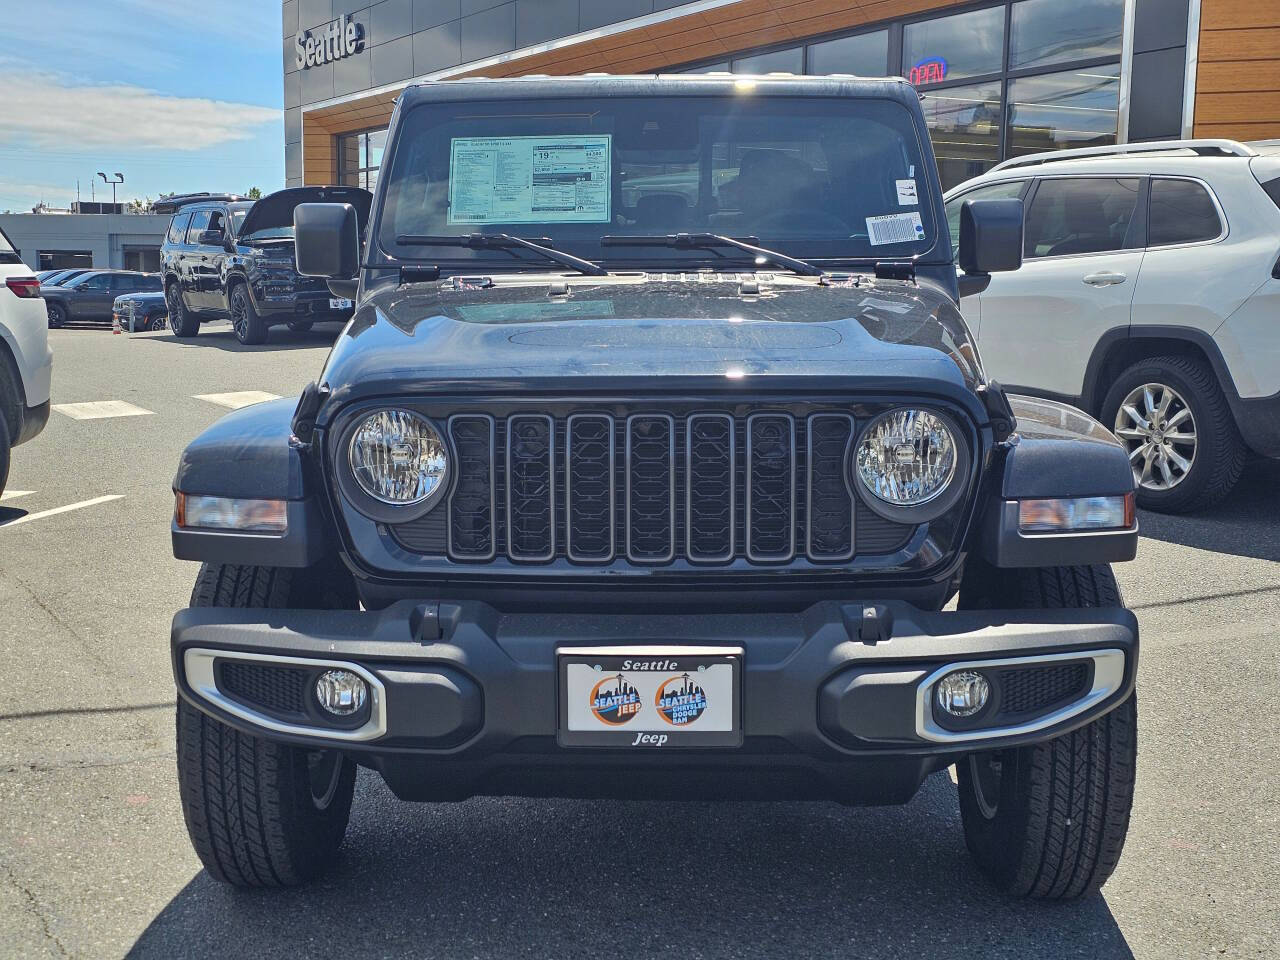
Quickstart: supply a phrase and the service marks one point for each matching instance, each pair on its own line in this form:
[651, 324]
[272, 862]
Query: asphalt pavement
[94, 857]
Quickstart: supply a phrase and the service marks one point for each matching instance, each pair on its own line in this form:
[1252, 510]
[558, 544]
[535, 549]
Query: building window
[360, 156]
[1047, 32]
[954, 48]
[144, 259]
[790, 60]
[1000, 81]
[864, 54]
[1075, 108]
[64, 259]
[964, 125]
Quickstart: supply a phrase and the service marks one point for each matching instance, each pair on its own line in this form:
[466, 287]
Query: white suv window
[1181, 211]
[996, 191]
[1072, 215]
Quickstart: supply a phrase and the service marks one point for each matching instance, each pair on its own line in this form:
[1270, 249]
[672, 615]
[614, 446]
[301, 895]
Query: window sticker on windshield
[907, 193]
[529, 179]
[895, 228]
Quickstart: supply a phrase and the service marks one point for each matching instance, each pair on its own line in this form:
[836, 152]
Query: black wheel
[1172, 417]
[181, 321]
[4, 451]
[249, 328]
[1048, 821]
[260, 813]
[301, 326]
[57, 314]
[157, 321]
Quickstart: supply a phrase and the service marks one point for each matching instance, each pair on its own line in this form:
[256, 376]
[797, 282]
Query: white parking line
[15, 494]
[100, 409]
[235, 401]
[68, 508]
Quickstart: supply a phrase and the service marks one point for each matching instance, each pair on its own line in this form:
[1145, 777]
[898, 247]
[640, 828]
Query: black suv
[233, 259]
[91, 295]
[648, 466]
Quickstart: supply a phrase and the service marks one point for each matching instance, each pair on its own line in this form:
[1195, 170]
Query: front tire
[181, 321]
[57, 315]
[261, 813]
[1048, 821]
[245, 321]
[1172, 417]
[157, 321]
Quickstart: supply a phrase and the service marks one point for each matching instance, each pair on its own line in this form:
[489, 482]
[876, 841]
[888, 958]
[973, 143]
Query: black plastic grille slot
[530, 493]
[829, 505]
[771, 491]
[589, 487]
[471, 506]
[710, 488]
[265, 686]
[1034, 689]
[651, 479]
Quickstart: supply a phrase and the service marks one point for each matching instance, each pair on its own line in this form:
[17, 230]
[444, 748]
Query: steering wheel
[785, 222]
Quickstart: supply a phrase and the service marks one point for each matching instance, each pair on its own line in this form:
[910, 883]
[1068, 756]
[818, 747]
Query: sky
[177, 95]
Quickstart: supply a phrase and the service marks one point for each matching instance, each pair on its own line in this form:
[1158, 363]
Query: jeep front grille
[649, 488]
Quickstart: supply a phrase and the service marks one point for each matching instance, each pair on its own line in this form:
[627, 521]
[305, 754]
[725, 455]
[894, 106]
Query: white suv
[26, 362]
[1149, 295]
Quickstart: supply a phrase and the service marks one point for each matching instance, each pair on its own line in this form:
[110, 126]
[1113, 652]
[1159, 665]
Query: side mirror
[326, 238]
[990, 241]
[210, 238]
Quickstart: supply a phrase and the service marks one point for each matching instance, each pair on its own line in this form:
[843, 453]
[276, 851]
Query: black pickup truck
[651, 465]
[233, 259]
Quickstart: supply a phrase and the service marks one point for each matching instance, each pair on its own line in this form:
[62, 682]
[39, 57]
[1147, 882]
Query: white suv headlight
[907, 457]
[398, 457]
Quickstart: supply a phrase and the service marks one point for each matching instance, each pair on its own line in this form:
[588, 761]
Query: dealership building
[999, 79]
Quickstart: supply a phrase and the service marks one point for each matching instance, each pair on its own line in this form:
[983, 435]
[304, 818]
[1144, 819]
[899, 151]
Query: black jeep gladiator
[231, 259]
[657, 462]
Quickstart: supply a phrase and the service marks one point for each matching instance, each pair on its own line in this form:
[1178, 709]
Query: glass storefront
[360, 156]
[1000, 81]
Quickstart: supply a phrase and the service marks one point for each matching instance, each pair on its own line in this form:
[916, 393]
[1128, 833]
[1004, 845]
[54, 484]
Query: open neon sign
[929, 70]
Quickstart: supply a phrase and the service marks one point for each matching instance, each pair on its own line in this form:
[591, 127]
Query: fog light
[963, 693]
[341, 692]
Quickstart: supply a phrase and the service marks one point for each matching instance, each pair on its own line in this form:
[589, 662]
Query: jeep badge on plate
[649, 696]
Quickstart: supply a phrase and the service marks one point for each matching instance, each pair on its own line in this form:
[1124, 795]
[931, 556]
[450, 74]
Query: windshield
[816, 178]
[7, 252]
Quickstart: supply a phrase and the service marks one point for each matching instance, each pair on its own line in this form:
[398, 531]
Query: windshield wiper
[707, 241]
[505, 241]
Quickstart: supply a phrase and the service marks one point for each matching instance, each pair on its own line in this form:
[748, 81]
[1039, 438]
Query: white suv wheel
[1156, 426]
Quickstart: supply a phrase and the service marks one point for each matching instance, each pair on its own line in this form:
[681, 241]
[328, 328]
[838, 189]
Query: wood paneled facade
[1238, 79]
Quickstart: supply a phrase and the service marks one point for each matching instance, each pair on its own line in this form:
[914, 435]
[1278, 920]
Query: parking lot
[96, 860]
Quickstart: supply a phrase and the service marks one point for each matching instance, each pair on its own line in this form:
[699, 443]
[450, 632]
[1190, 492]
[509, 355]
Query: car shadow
[221, 337]
[1245, 524]
[512, 877]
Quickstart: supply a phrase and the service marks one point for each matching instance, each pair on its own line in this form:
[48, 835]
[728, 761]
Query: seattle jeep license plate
[650, 696]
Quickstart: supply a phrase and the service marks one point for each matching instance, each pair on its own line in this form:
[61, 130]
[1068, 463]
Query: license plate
[650, 696]
[336, 304]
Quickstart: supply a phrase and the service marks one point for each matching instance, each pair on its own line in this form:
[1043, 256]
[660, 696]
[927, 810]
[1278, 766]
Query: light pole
[119, 178]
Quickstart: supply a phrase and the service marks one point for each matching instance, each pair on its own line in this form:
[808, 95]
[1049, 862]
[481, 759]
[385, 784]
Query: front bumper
[835, 700]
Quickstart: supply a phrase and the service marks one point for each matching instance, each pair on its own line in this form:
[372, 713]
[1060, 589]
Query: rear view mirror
[326, 239]
[990, 236]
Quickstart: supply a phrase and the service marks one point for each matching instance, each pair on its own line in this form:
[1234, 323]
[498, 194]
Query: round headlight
[907, 457]
[398, 457]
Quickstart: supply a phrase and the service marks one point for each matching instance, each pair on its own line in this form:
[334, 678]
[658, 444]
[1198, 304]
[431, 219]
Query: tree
[254, 193]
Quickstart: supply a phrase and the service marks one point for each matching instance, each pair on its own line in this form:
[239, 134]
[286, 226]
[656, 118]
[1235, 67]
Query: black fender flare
[251, 454]
[1058, 452]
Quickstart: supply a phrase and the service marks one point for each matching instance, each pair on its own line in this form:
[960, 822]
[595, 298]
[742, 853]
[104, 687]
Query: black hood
[276, 209]
[654, 332]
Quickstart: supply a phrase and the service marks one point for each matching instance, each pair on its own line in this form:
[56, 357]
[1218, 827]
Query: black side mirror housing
[990, 236]
[210, 238]
[326, 239]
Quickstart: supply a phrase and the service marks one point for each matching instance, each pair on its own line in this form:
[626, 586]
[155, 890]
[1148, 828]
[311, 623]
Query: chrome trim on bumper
[197, 663]
[1108, 677]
